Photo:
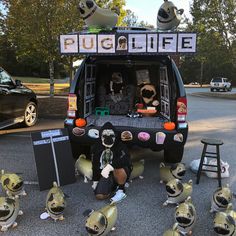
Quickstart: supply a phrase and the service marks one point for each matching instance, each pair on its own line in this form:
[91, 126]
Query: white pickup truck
[219, 83]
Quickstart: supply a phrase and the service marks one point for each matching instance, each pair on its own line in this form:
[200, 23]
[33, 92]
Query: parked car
[109, 87]
[220, 83]
[18, 104]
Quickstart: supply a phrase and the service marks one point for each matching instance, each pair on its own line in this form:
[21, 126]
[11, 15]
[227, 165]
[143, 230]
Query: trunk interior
[117, 90]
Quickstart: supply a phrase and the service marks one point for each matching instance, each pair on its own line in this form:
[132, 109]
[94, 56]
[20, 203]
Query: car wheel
[212, 90]
[31, 114]
[174, 155]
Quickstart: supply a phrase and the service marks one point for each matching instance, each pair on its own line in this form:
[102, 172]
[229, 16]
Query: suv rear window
[218, 80]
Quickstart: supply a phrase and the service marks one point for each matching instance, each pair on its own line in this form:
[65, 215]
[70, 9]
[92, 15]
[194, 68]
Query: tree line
[29, 31]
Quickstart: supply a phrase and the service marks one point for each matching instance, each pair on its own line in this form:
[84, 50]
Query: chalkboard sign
[53, 157]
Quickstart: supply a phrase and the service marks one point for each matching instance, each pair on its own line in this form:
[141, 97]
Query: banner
[128, 43]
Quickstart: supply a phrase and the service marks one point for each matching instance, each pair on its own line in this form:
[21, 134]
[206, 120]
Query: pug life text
[128, 44]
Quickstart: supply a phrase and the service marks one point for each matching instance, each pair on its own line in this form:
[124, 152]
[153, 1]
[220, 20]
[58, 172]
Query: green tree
[215, 24]
[130, 19]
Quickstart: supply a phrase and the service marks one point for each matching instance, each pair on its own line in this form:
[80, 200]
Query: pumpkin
[80, 122]
[169, 125]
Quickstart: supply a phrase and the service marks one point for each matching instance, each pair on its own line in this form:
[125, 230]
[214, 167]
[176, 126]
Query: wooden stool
[216, 155]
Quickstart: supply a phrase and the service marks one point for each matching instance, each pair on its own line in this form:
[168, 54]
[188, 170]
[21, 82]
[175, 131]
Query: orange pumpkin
[169, 125]
[80, 122]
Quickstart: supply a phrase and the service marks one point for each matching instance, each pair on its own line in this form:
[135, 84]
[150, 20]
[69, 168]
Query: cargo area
[130, 93]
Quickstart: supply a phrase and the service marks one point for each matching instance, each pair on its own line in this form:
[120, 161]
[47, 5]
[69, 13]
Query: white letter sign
[106, 43]
[88, 43]
[187, 43]
[69, 43]
[137, 43]
[167, 43]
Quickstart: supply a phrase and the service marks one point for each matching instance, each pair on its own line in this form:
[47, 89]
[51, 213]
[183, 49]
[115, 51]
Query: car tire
[212, 90]
[30, 114]
[174, 155]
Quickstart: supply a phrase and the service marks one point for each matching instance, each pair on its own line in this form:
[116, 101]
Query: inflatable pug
[12, 184]
[185, 215]
[172, 232]
[221, 199]
[84, 166]
[224, 222]
[168, 173]
[55, 203]
[95, 16]
[102, 221]
[168, 16]
[137, 171]
[9, 210]
[178, 192]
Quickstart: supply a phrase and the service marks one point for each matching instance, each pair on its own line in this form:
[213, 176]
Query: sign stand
[53, 157]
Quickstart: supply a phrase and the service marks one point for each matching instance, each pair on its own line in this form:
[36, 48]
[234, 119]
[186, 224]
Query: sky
[146, 10]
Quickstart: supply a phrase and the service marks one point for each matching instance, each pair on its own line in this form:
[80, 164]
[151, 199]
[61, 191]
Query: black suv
[126, 81]
[18, 104]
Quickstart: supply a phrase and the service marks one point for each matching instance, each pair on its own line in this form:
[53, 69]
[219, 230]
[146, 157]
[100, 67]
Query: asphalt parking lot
[141, 213]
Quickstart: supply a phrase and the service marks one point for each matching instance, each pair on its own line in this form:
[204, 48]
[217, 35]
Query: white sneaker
[119, 196]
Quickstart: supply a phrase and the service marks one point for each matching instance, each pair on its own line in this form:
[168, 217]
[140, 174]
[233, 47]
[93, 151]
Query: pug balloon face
[178, 192]
[168, 16]
[12, 184]
[9, 210]
[224, 224]
[55, 202]
[221, 198]
[96, 223]
[185, 216]
[108, 138]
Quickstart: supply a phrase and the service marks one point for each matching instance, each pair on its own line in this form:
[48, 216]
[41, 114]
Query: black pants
[109, 185]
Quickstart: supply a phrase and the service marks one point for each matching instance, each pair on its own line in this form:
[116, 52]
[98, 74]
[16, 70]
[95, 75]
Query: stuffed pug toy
[116, 83]
[168, 16]
[185, 215]
[148, 96]
[221, 198]
[9, 210]
[178, 192]
[94, 16]
[55, 204]
[168, 173]
[83, 166]
[172, 232]
[12, 184]
[102, 221]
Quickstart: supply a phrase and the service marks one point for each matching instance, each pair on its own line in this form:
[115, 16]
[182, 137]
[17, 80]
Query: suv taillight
[181, 109]
[72, 106]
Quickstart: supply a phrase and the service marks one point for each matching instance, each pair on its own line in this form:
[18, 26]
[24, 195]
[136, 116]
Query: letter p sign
[69, 43]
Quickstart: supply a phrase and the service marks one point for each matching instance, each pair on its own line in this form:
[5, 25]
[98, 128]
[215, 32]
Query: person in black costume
[111, 165]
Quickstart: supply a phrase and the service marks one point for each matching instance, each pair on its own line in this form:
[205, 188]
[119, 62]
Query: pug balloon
[12, 184]
[95, 16]
[9, 210]
[173, 232]
[224, 222]
[178, 192]
[168, 173]
[102, 221]
[84, 166]
[55, 203]
[168, 16]
[185, 215]
[221, 199]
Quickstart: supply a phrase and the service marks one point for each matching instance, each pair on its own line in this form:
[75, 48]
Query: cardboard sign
[53, 157]
[128, 43]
